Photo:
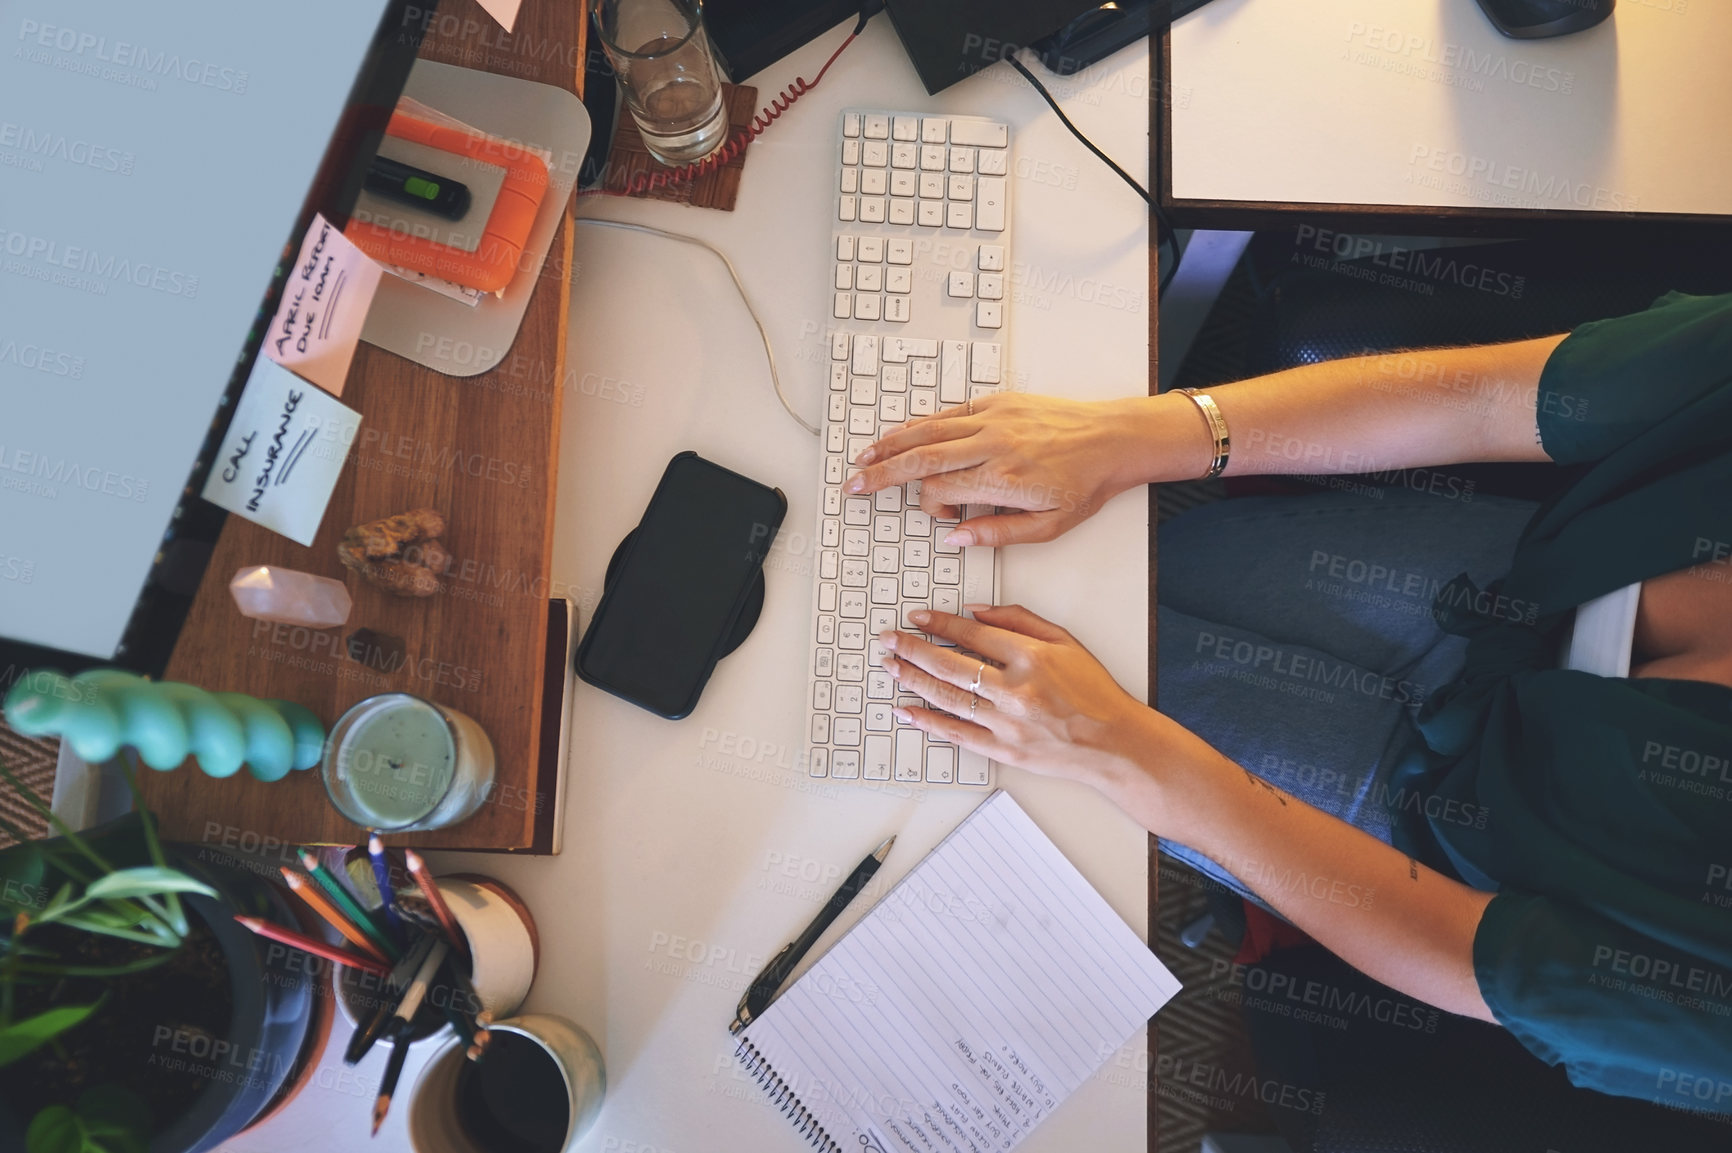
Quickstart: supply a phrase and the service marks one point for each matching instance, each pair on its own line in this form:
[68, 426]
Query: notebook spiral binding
[784, 1098]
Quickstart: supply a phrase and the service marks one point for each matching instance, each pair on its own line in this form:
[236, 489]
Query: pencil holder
[497, 927]
[499, 959]
[359, 995]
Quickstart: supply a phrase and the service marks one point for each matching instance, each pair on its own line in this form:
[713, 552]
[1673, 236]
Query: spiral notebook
[980, 992]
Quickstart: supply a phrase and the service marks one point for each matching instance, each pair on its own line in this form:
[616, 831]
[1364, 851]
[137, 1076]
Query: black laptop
[951, 40]
[947, 40]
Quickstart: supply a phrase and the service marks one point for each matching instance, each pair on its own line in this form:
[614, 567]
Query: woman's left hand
[1044, 703]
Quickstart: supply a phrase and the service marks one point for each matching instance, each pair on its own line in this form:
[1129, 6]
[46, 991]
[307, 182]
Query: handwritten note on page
[282, 453]
[323, 307]
[999, 982]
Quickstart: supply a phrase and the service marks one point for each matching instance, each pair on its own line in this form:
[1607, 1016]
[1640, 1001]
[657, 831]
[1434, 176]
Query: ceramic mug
[504, 951]
[504, 948]
[435, 1124]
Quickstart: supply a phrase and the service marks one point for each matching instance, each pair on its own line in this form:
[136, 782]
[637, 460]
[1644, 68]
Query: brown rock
[400, 554]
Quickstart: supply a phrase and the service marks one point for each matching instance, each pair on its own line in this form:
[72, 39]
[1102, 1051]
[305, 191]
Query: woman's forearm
[1362, 414]
[1377, 909]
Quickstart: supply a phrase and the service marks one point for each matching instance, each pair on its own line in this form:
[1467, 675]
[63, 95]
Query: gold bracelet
[1217, 428]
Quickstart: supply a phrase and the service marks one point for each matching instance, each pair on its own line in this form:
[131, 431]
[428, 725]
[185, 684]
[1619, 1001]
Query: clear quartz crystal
[267, 593]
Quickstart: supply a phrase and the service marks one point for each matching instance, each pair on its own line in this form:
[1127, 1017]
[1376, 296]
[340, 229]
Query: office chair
[1465, 294]
[1469, 1087]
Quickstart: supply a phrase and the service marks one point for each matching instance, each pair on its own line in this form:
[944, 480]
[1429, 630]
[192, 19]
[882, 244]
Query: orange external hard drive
[494, 262]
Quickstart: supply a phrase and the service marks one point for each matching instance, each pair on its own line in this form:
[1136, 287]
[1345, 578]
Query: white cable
[769, 353]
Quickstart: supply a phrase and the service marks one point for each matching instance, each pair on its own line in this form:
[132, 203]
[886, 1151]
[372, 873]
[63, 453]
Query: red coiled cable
[654, 181]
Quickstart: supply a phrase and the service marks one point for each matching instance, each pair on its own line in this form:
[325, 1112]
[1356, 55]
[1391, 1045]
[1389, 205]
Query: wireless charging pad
[749, 612]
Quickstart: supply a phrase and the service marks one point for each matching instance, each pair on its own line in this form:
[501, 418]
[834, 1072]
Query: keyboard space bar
[979, 565]
[978, 570]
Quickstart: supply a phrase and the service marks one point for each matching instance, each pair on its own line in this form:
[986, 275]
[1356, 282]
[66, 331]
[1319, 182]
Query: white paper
[980, 992]
[283, 451]
[323, 307]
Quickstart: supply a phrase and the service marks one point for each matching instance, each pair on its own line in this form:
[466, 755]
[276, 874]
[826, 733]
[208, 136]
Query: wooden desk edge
[480, 40]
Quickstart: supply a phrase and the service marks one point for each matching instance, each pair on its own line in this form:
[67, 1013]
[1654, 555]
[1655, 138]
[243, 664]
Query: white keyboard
[918, 264]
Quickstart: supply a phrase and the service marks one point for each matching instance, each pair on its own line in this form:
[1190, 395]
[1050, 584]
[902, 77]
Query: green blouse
[1609, 840]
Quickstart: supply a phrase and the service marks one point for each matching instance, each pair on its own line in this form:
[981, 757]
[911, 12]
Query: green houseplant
[140, 904]
[135, 1014]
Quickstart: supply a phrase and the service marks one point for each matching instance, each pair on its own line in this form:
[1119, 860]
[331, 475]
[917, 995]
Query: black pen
[764, 986]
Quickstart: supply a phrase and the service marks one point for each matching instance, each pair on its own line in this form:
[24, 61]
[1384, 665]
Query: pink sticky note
[504, 11]
[324, 305]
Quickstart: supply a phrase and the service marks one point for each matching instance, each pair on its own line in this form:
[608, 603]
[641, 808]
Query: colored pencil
[345, 900]
[483, 1035]
[460, 1025]
[461, 986]
[393, 1070]
[308, 945]
[404, 1021]
[382, 874]
[462, 1020]
[315, 897]
[430, 889]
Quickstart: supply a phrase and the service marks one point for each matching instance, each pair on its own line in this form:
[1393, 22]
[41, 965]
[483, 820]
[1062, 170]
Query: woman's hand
[1057, 461]
[1045, 703]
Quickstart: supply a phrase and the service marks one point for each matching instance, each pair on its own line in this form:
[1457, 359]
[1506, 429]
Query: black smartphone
[677, 590]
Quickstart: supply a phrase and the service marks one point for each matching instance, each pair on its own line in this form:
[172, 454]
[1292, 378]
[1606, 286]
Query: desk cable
[1164, 234]
[779, 105]
[652, 180]
[769, 353]
[647, 182]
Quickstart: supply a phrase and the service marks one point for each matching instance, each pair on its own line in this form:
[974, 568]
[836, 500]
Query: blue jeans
[1295, 635]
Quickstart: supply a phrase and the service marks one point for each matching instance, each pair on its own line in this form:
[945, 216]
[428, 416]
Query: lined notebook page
[974, 997]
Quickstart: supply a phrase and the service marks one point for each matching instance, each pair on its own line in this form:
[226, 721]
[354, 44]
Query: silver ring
[972, 705]
[975, 687]
[971, 406]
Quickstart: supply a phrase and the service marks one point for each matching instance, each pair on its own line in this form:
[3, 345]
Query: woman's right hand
[1053, 462]
[1034, 697]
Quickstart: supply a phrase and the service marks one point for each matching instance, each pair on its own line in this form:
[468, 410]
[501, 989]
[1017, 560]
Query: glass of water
[662, 55]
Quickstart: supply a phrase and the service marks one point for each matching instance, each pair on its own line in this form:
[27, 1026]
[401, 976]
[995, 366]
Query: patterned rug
[32, 761]
[1201, 1037]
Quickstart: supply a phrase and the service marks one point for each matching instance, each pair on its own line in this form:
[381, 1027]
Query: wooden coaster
[717, 188]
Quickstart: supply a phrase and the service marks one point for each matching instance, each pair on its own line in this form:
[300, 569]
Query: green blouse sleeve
[1611, 380]
[1624, 1014]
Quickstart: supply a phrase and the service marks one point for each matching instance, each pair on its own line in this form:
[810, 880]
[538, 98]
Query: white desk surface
[695, 849]
[1423, 103]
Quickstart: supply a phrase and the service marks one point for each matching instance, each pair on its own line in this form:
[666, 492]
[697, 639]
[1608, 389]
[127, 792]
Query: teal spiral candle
[103, 710]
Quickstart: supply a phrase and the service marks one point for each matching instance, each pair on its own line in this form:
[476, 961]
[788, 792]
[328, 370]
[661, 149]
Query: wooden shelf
[484, 451]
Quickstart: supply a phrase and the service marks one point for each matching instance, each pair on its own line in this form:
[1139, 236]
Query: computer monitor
[158, 164]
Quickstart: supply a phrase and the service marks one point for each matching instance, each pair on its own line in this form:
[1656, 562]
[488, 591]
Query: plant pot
[241, 1066]
[273, 996]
